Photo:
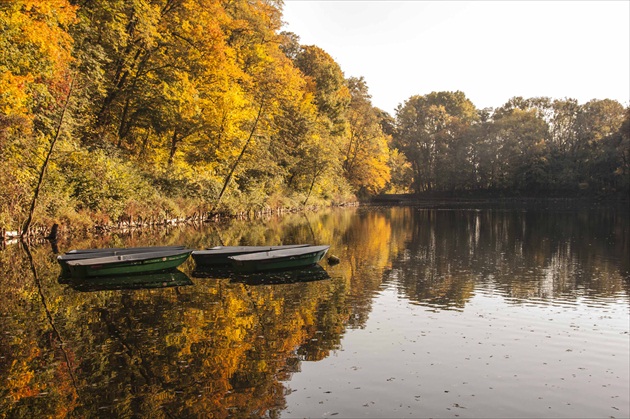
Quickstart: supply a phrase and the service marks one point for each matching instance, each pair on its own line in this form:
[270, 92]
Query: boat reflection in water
[309, 274]
[175, 278]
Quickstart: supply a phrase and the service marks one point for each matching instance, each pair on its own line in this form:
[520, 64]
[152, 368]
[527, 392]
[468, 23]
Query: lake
[430, 313]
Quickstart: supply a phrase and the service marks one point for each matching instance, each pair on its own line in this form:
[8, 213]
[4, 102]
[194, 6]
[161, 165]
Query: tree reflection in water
[225, 348]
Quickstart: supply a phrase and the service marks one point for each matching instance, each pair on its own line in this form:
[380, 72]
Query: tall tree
[513, 152]
[34, 82]
[596, 122]
[327, 83]
[431, 130]
[366, 150]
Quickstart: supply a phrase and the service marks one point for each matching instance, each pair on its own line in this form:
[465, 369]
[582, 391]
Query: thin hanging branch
[240, 156]
[315, 176]
[42, 172]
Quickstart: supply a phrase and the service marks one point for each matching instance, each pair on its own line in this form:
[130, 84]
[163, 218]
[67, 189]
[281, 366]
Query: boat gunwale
[276, 255]
[239, 250]
[140, 249]
[69, 257]
[143, 257]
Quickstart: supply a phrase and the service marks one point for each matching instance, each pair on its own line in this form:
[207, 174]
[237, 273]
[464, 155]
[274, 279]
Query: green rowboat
[135, 263]
[277, 260]
[108, 251]
[218, 256]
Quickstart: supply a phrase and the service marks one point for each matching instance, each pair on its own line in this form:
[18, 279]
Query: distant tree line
[531, 145]
[155, 108]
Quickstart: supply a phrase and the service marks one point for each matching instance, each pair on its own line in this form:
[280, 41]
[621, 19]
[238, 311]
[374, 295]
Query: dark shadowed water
[430, 313]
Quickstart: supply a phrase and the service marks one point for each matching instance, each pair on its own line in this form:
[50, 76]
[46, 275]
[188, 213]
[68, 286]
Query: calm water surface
[430, 313]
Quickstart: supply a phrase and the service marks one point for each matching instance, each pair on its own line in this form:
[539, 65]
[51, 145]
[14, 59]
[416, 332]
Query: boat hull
[105, 252]
[279, 260]
[138, 263]
[218, 257]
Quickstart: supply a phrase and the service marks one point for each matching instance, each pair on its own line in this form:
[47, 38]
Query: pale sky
[490, 50]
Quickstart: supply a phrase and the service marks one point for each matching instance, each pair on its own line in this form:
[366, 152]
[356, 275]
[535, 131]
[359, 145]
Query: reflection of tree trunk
[49, 317]
[53, 247]
[42, 171]
[143, 366]
[221, 242]
[52, 238]
[308, 223]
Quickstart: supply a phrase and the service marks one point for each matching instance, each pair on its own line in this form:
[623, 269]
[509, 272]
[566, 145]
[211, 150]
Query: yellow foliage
[13, 93]
[22, 384]
[36, 50]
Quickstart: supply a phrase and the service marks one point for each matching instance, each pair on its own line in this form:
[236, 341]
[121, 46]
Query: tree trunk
[174, 142]
[240, 156]
[310, 190]
[42, 171]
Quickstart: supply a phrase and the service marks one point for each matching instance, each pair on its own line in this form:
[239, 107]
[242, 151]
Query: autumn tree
[183, 106]
[327, 83]
[34, 83]
[366, 150]
[320, 149]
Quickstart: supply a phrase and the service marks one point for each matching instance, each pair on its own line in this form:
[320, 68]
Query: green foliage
[432, 131]
[534, 145]
[103, 183]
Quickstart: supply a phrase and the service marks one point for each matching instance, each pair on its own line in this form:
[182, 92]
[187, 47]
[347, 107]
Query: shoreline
[488, 201]
[466, 200]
